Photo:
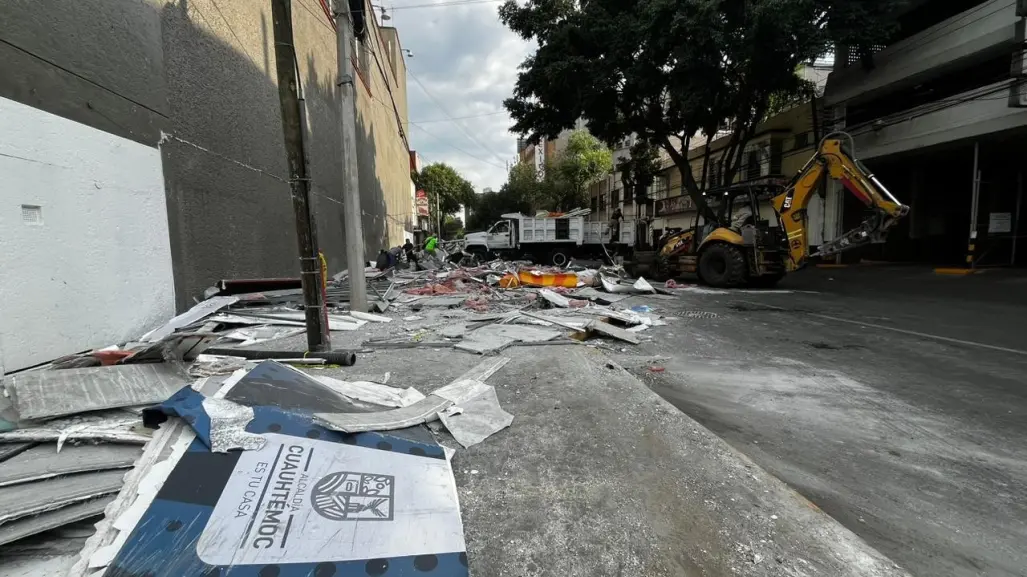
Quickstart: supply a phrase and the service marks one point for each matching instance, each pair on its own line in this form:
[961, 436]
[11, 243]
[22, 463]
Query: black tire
[723, 266]
[559, 258]
[660, 269]
[767, 281]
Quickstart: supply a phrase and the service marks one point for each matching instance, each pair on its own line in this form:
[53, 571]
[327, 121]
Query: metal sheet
[110, 426]
[8, 450]
[26, 527]
[415, 414]
[43, 461]
[19, 501]
[48, 394]
[197, 313]
[608, 330]
[228, 422]
[374, 393]
[482, 417]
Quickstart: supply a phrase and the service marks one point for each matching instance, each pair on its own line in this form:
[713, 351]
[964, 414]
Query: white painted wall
[93, 266]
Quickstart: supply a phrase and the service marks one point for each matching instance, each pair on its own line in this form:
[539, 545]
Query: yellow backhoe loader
[735, 247]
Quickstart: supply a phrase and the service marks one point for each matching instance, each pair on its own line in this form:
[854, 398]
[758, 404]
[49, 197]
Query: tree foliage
[666, 70]
[585, 161]
[446, 189]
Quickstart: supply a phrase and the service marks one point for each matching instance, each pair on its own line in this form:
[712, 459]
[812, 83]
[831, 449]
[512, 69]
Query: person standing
[430, 244]
[408, 248]
[615, 219]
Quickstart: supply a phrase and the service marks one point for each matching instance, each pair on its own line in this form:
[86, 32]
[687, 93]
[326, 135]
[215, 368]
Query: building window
[595, 204]
[658, 189]
[801, 141]
[776, 155]
[752, 164]
[615, 197]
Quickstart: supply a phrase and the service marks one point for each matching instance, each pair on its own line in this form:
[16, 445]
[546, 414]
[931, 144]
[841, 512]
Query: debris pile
[174, 440]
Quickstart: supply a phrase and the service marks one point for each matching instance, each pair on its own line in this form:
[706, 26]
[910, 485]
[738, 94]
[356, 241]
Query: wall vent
[32, 214]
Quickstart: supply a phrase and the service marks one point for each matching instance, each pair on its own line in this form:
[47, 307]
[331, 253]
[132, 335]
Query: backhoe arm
[835, 160]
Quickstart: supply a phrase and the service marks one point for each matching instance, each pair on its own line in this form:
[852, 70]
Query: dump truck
[551, 239]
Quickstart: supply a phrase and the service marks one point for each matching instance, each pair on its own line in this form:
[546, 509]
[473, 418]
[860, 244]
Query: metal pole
[351, 213]
[975, 195]
[1016, 215]
[299, 182]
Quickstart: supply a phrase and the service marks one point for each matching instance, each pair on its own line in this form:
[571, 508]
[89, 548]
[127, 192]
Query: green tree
[667, 70]
[446, 189]
[585, 161]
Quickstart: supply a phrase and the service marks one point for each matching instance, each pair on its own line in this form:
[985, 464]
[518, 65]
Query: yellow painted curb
[955, 271]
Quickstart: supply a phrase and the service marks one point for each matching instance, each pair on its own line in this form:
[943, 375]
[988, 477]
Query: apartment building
[939, 114]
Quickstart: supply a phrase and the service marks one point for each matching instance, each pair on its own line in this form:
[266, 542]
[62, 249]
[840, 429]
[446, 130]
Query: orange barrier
[528, 278]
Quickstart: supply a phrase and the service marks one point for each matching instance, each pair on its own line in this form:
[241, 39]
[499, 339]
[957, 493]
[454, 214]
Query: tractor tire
[559, 258]
[723, 266]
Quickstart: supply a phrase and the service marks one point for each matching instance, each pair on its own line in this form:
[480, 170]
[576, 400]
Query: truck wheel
[559, 258]
[723, 266]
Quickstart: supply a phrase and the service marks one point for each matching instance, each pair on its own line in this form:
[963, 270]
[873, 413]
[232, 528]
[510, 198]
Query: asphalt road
[893, 399]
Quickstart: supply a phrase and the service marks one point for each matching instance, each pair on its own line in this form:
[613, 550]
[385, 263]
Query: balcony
[972, 36]
[976, 113]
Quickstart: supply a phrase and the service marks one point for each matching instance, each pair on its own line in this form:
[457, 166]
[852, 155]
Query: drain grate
[701, 315]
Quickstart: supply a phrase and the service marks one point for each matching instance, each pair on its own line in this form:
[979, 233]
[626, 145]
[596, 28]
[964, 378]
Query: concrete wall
[974, 35]
[381, 132]
[84, 252]
[976, 113]
[196, 78]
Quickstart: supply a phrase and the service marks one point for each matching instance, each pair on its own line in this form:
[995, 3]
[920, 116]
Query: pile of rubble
[135, 433]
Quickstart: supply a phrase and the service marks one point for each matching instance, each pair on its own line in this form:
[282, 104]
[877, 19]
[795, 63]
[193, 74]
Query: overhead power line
[445, 4]
[459, 118]
[450, 117]
[458, 149]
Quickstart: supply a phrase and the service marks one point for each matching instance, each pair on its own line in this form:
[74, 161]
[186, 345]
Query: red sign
[421, 202]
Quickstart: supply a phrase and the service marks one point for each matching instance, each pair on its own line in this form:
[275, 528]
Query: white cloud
[467, 60]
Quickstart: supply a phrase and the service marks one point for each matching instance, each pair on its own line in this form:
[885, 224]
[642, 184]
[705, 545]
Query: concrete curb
[599, 475]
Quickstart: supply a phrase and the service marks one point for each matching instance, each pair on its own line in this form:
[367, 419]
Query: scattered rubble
[110, 433]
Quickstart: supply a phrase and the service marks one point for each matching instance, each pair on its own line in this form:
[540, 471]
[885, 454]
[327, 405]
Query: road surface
[893, 399]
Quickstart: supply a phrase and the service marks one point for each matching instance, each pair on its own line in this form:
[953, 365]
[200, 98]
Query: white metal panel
[543, 230]
[84, 248]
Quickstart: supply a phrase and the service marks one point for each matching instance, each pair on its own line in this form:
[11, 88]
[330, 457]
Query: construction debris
[72, 430]
[48, 394]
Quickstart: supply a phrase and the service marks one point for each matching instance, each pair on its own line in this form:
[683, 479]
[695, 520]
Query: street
[893, 399]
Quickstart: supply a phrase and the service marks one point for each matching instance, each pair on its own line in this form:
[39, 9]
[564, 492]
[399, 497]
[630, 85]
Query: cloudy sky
[467, 62]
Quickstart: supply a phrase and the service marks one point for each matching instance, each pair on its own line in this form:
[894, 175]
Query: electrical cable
[446, 4]
[450, 116]
[458, 149]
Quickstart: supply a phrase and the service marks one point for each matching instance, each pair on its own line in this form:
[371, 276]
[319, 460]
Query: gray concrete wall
[972, 36]
[203, 72]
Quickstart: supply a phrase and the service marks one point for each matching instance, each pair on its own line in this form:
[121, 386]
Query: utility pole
[351, 212]
[318, 337]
